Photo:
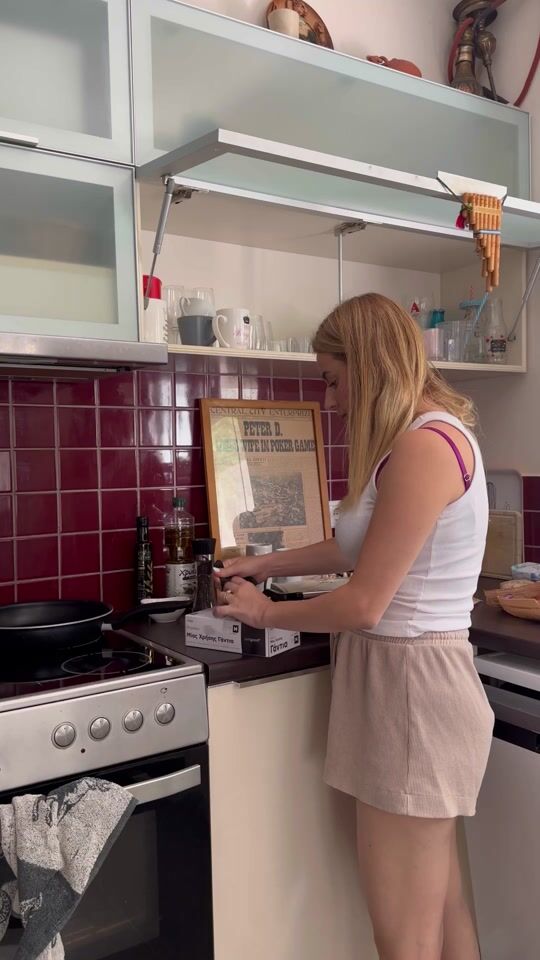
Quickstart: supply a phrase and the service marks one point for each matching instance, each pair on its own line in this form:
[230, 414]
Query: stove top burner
[90, 663]
[103, 664]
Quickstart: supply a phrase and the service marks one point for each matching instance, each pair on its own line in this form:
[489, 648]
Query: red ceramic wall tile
[337, 429]
[532, 554]
[188, 428]
[35, 514]
[256, 388]
[183, 363]
[79, 511]
[79, 393]
[78, 469]
[4, 391]
[76, 427]
[35, 470]
[531, 493]
[4, 427]
[119, 590]
[189, 467]
[159, 582]
[531, 528]
[117, 391]
[34, 426]
[340, 462]
[338, 489]
[118, 509]
[156, 428]
[35, 590]
[118, 550]
[79, 553]
[118, 469]
[286, 368]
[32, 391]
[196, 503]
[314, 390]
[37, 558]
[6, 560]
[156, 468]
[285, 389]
[327, 462]
[325, 422]
[190, 387]
[225, 387]
[6, 518]
[7, 593]
[81, 588]
[117, 427]
[156, 504]
[155, 388]
[5, 471]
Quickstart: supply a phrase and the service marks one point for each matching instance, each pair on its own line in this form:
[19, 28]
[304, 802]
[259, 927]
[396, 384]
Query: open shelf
[260, 360]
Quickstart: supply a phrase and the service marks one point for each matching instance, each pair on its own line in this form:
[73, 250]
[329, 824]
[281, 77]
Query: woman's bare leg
[460, 941]
[404, 866]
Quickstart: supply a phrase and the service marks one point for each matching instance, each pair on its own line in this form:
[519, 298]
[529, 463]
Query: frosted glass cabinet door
[195, 71]
[67, 246]
[64, 75]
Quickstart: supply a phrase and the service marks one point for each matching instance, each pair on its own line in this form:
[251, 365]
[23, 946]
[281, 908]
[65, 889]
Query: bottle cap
[204, 546]
[179, 502]
[154, 292]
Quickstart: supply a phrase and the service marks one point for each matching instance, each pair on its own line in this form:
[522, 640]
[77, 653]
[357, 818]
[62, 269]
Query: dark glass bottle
[205, 593]
[144, 566]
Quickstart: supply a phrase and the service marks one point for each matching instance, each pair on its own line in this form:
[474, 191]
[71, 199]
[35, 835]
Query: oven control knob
[165, 713]
[100, 728]
[64, 735]
[133, 721]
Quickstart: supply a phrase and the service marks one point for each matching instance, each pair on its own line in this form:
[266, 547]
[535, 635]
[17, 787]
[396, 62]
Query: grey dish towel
[51, 848]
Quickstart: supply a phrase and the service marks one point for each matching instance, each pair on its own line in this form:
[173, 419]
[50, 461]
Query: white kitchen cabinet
[285, 883]
[67, 247]
[64, 76]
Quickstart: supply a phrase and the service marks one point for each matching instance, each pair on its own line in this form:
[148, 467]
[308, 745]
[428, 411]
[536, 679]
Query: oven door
[152, 897]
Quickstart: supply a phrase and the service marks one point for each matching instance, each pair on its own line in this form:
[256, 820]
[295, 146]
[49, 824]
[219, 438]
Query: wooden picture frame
[265, 473]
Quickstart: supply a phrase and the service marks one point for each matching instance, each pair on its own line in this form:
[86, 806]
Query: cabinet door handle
[19, 138]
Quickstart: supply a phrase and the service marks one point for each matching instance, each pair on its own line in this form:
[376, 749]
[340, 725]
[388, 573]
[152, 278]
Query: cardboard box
[213, 633]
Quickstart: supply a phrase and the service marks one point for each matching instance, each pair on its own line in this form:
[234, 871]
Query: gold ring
[228, 593]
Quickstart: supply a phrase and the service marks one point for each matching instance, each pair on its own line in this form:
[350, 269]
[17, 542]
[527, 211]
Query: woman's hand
[244, 567]
[243, 601]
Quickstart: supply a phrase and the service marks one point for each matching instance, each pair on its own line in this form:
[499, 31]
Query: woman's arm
[323, 557]
[418, 482]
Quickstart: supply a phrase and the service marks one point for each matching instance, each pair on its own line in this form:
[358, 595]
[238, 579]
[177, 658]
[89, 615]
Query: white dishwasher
[503, 839]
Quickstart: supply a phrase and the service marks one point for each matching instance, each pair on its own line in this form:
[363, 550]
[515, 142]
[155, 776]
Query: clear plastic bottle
[495, 332]
[180, 567]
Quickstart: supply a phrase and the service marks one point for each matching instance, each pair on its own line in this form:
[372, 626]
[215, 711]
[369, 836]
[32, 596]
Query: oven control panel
[64, 738]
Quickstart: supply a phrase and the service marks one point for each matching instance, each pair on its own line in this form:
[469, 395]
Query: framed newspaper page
[265, 474]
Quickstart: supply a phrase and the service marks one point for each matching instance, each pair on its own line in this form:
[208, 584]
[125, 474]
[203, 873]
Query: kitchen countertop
[222, 666]
[492, 629]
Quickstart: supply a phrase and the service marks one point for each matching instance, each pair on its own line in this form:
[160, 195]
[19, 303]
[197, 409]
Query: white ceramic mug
[232, 327]
[285, 21]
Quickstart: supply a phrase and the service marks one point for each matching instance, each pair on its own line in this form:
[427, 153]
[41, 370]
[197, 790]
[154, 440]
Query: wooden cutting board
[504, 545]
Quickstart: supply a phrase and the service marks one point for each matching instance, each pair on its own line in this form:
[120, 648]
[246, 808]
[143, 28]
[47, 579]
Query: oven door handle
[162, 787]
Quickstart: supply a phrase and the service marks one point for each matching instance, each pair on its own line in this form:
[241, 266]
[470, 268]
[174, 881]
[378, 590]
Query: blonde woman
[410, 726]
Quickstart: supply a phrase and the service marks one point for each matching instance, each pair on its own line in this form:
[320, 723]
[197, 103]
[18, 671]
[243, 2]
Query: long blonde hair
[388, 378]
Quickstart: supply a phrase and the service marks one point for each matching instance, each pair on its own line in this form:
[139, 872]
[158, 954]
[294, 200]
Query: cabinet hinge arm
[174, 193]
[341, 231]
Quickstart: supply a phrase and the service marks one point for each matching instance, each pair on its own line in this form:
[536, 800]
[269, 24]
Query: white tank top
[437, 593]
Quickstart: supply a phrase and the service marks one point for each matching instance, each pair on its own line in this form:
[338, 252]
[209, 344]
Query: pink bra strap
[467, 479]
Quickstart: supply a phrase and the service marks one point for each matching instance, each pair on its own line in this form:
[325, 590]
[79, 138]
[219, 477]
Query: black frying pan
[59, 624]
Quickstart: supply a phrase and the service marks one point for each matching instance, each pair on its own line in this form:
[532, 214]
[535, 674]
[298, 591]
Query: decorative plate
[312, 28]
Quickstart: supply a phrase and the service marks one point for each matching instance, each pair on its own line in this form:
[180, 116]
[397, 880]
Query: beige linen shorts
[410, 724]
